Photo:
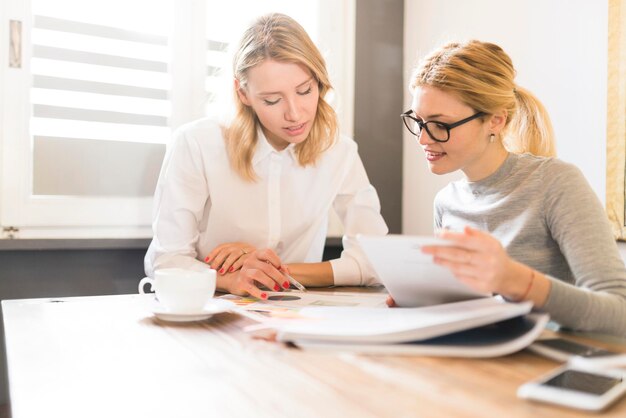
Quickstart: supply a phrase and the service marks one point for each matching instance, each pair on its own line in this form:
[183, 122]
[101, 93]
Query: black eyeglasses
[438, 131]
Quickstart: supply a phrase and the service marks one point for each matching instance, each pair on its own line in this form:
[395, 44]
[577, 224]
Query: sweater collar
[503, 172]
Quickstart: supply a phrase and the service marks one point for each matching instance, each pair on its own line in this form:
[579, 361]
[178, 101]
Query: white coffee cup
[181, 291]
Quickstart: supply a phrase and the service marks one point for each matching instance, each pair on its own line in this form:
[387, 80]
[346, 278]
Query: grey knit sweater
[546, 215]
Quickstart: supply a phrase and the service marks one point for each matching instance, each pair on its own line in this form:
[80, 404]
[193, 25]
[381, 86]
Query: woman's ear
[498, 121]
[241, 93]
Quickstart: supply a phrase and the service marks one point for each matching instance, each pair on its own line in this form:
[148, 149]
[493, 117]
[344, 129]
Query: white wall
[559, 48]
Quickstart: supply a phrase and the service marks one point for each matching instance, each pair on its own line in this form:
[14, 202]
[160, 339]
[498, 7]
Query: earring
[492, 137]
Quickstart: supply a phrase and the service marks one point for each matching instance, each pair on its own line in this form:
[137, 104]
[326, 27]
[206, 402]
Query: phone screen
[583, 382]
[574, 348]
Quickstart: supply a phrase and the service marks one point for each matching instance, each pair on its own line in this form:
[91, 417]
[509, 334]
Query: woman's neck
[490, 162]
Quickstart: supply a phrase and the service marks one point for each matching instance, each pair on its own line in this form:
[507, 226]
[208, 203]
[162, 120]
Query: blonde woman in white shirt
[251, 199]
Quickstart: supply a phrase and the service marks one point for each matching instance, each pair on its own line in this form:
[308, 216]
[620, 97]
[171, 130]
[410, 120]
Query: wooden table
[107, 356]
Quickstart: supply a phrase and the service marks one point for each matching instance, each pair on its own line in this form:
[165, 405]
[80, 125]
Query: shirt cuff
[346, 272]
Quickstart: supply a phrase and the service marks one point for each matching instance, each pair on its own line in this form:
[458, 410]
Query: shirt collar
[264, 149]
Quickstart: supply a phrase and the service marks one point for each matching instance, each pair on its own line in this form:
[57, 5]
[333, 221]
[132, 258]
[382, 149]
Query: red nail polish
[206, 259]
[222, 271]
[276, 287]
[286, 285]
[231, 269]
[263, 295]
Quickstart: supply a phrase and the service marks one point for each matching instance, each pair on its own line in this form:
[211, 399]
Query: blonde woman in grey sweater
[524, 224]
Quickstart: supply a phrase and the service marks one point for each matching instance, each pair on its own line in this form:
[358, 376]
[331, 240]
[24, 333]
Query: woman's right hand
[260, 268]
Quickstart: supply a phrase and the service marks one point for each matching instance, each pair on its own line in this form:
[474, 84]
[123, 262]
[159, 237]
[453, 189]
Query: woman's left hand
[229, 257]
[477, 259]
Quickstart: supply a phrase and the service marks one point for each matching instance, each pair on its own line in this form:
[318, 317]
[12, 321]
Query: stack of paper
[476, 328]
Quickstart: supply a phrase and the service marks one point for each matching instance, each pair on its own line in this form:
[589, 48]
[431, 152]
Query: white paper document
[410, 276]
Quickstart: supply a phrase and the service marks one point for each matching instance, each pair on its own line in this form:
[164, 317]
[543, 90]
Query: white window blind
[100, 106]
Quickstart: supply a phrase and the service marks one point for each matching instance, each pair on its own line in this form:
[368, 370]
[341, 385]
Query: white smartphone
[565, 350]
[577, 388]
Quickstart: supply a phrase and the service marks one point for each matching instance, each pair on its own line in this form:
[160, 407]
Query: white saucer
[212, 307]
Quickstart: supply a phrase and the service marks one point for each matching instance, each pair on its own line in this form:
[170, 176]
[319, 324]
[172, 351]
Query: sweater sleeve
[578, 223]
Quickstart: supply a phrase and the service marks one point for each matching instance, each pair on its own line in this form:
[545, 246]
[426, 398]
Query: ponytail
[529, 129]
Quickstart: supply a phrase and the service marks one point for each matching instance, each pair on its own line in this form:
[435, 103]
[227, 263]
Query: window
[92, 91]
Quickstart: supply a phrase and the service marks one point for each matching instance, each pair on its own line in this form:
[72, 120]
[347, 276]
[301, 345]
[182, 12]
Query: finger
[254, 291]
[235, 254]
[239, 262]
[274, 274]
[214, 252]
[244, 283]
[390, 302]
[450, 235]
[468, 230]
[459, 269]
[454, 254]
[434, 248]
[284, 269]
[468, 275]
[262, 278]
[470, 238]
[218, 260]
[458, 240]
[269, 256]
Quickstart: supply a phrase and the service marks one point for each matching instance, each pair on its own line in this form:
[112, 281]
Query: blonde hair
[482, 76]
[277, 37]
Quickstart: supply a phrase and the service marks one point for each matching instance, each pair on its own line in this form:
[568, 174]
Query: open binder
[486, 327]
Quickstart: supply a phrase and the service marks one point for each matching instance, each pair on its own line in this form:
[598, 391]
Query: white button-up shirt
[201, 202]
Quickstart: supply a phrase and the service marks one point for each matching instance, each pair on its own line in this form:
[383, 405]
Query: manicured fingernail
[231, 269]
[206, 260]
[221, 271]
[263, 295]
[286, 285]
[276, 287]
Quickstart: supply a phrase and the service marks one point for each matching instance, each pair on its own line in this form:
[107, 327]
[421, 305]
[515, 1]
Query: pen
[294, 282]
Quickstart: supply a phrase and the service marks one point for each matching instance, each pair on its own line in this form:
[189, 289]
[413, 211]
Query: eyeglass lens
[436, 130]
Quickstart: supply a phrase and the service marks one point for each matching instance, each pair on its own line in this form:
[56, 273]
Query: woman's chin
[439, 169]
